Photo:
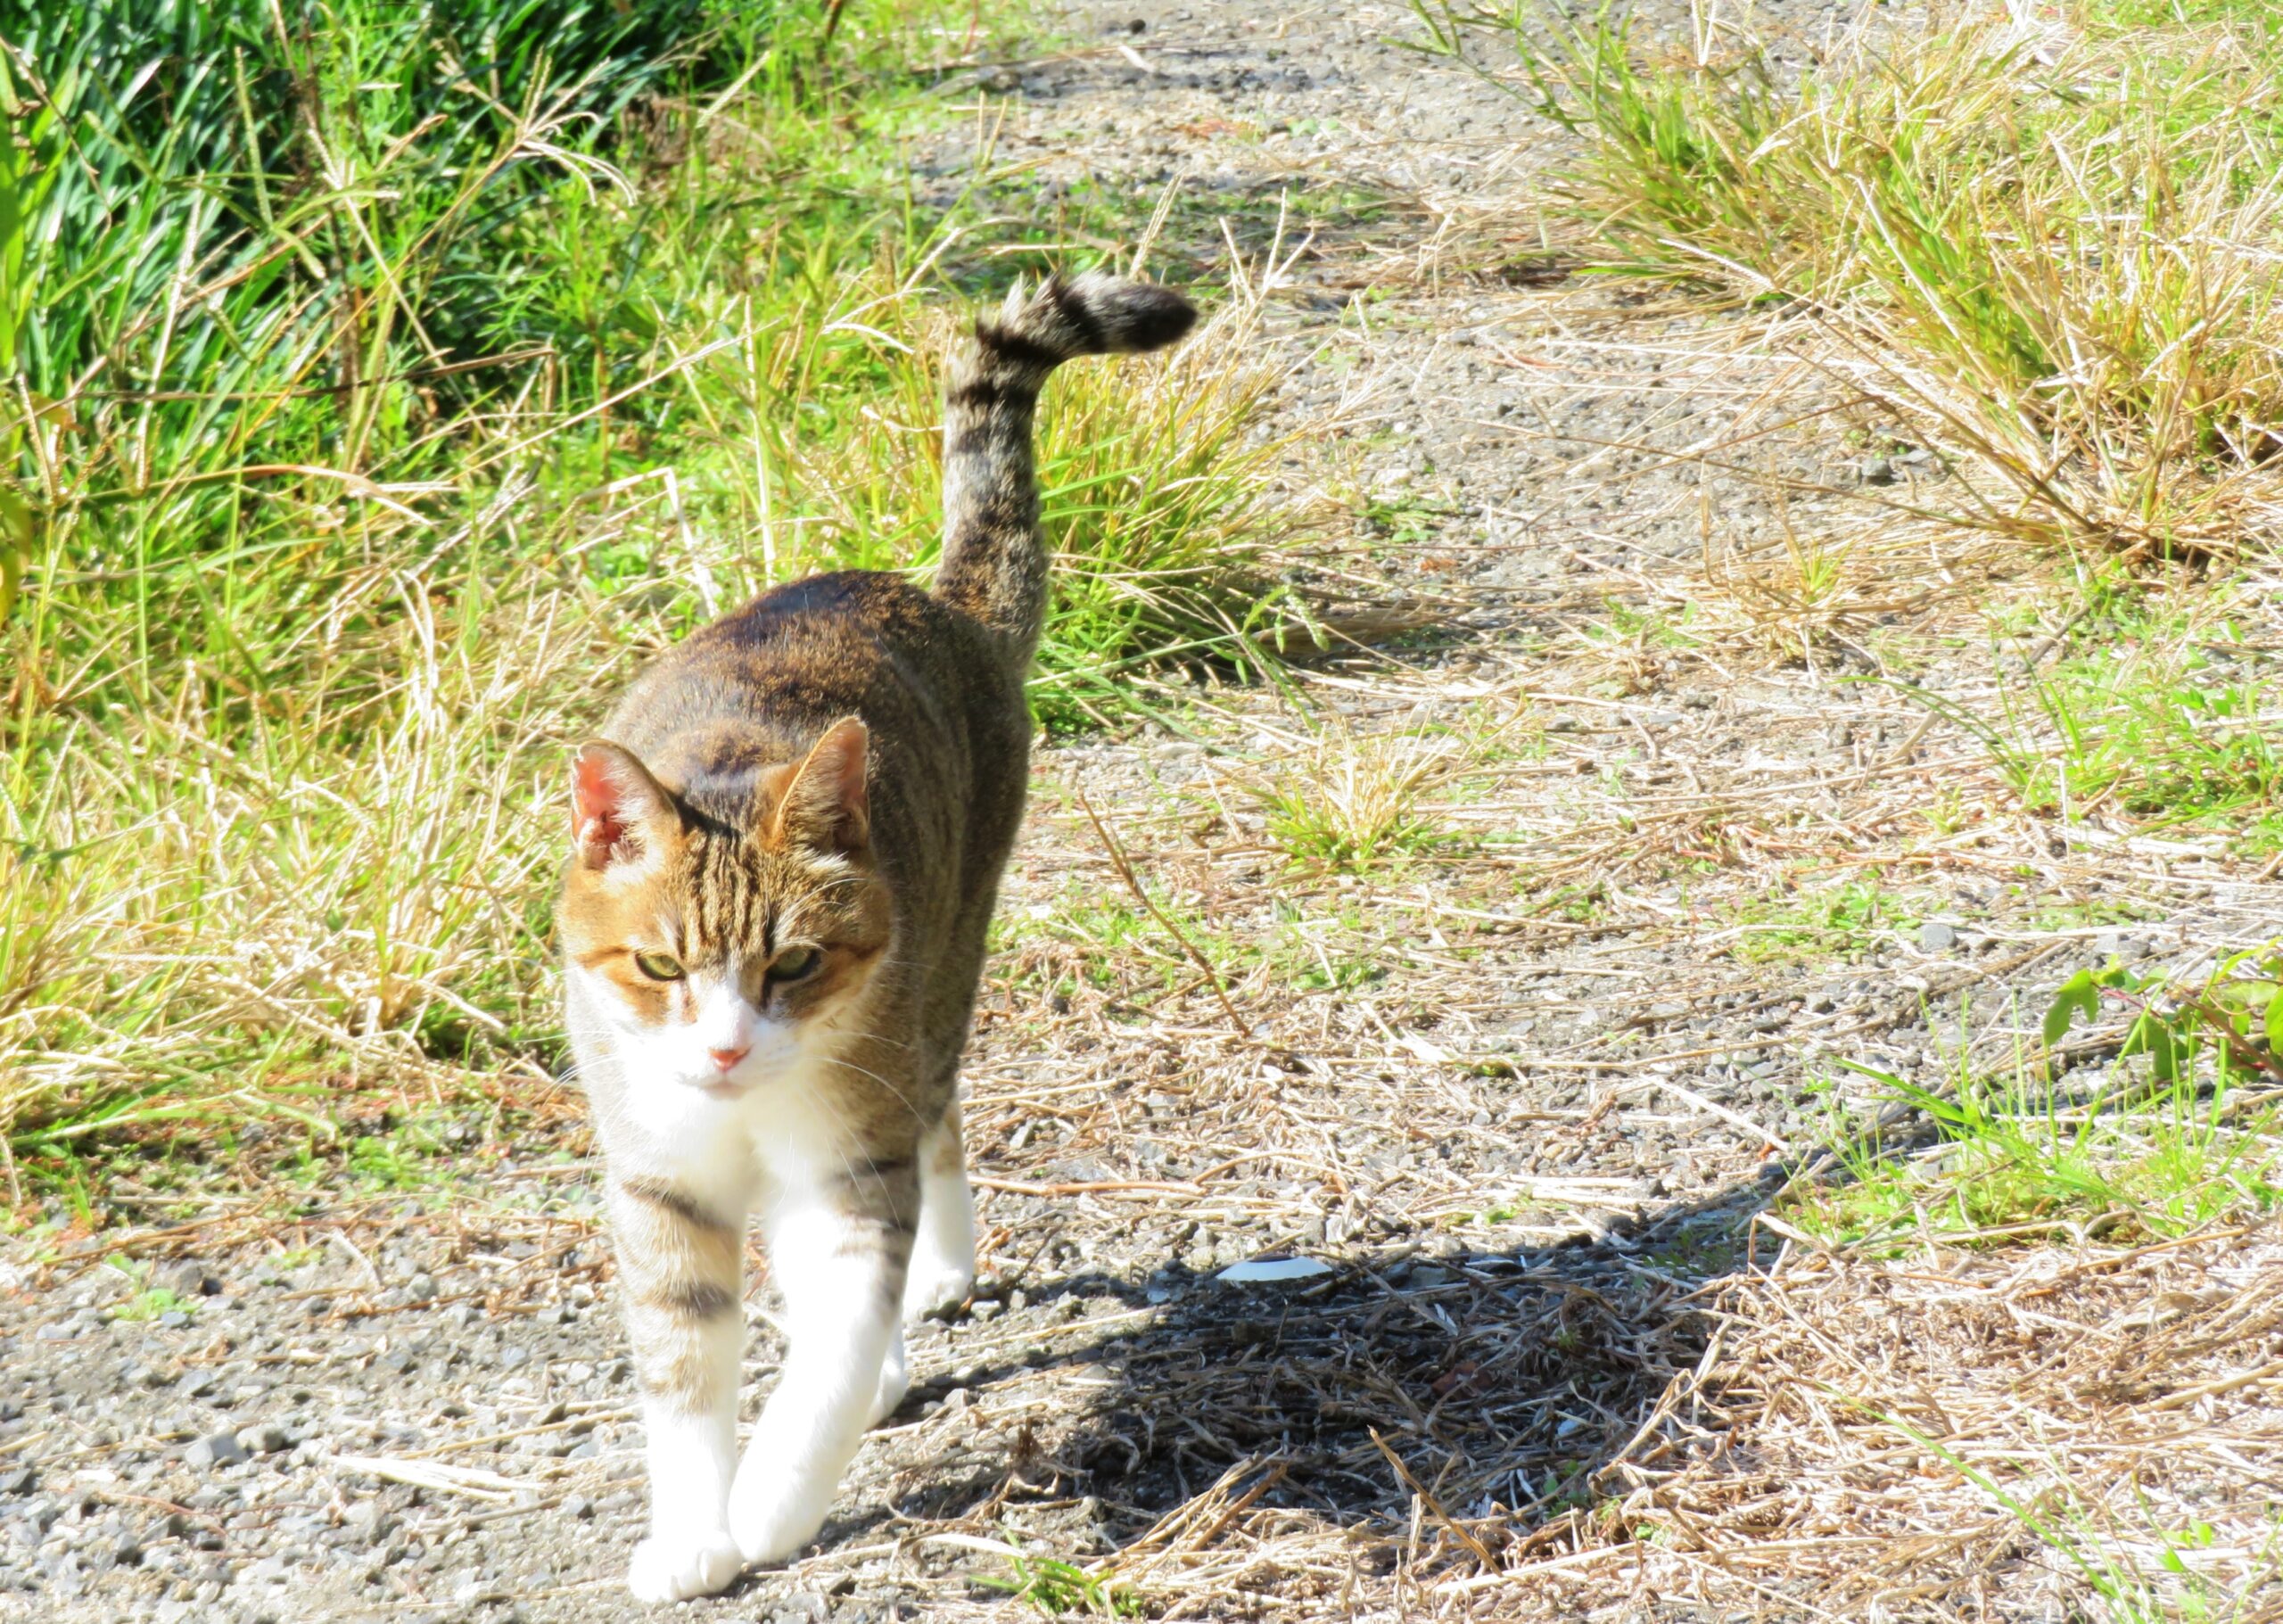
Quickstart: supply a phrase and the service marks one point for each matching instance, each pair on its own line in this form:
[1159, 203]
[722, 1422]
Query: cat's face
[717, 952]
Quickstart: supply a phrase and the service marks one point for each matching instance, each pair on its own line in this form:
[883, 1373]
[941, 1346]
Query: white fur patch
[691, 1458]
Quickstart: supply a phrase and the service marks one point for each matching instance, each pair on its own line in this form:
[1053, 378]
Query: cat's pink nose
[727, 1059]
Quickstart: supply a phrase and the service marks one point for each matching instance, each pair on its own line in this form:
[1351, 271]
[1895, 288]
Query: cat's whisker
[907, 1103]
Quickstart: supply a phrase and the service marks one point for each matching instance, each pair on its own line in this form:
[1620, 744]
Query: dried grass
[2057, 1434]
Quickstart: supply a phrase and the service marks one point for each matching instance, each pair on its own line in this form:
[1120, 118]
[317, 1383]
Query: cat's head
[719, 927]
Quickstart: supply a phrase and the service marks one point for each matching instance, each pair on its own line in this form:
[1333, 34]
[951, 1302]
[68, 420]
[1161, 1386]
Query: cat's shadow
[1480, 1383]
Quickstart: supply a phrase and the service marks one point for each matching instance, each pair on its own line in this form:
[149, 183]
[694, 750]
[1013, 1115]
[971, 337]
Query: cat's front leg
[680, 1270]
[839, 1252]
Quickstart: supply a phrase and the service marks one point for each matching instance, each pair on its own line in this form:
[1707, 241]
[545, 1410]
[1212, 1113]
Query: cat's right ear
[619, 813]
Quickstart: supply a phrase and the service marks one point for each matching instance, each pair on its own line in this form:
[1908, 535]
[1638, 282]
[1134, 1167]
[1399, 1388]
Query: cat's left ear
[619, 813]
[824, 806]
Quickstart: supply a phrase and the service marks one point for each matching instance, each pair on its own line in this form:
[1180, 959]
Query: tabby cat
[784, 865]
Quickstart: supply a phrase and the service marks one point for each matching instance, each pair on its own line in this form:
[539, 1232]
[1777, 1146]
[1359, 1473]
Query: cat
[785, 860]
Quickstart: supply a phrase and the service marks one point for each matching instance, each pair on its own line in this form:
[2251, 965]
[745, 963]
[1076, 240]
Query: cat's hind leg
[896, 1381]
[943, 1256]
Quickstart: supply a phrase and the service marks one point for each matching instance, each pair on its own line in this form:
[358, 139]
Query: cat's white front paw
[676, 1567]
[771, 1518]
[934, 1283]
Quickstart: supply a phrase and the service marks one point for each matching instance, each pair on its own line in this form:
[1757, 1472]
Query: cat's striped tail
[994, 560]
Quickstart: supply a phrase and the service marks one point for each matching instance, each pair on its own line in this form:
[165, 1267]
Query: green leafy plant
[2018, 1151]
[149, 1301]
[2151, 726]
[1059, 1588]
[1404, 519]
[2235, 1017]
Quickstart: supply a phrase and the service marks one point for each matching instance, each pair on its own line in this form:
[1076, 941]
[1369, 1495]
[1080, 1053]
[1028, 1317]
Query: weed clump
[2054, 251]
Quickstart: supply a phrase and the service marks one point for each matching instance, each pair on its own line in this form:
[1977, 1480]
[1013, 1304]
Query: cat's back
[802, 655]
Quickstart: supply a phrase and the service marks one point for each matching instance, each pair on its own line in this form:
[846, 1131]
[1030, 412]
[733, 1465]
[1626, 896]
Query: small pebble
[218, 1449]
[264, 1438]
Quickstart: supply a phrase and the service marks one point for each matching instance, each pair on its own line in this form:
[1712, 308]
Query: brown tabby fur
[840, 763]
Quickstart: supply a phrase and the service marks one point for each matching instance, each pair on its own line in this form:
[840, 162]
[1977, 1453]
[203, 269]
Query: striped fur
[683, 1272]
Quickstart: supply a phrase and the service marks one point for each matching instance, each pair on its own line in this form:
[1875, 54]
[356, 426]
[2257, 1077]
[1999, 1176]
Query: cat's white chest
[779, 1132]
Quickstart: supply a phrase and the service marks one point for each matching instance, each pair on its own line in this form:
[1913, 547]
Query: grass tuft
[1355, 801]
[2052, 251]
[2178, 1131]
[2166, 723]
[1059, 1588]
[1158, 482]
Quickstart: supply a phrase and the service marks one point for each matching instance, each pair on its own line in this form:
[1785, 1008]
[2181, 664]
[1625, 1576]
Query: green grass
[2055, 260]
[2084, 1533]
[1100, 940]
[380, 399]
[2163, 721]
[1354, 801]
[1155, 480]
[1086, 940]
[2016, 1154]
[1405, 519]
[149, 1302]
[2162, 1147]
[1058, 1588]
[1816, 923]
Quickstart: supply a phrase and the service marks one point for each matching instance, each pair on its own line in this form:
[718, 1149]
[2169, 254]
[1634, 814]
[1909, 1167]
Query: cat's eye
[659, 967]
[794, 963]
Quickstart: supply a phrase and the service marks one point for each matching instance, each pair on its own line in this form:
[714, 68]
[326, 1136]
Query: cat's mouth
[723, 1088]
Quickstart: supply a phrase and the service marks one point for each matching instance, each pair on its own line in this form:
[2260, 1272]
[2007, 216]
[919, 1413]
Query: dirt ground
[1526, 1091]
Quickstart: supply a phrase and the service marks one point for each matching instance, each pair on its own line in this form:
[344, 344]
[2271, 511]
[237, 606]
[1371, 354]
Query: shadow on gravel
[1480, 1382]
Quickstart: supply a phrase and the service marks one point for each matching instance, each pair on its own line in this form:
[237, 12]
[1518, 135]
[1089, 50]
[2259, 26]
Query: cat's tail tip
[1092, 314]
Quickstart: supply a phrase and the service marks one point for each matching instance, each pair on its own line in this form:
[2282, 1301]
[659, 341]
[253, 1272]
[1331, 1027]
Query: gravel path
[1528, 1106]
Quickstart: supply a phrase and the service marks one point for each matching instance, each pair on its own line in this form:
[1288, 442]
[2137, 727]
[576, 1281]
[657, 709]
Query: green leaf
[2166, 1049]
[2243, 995]
[2078, 996]
[2241, 1003]
[2274, 1026]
